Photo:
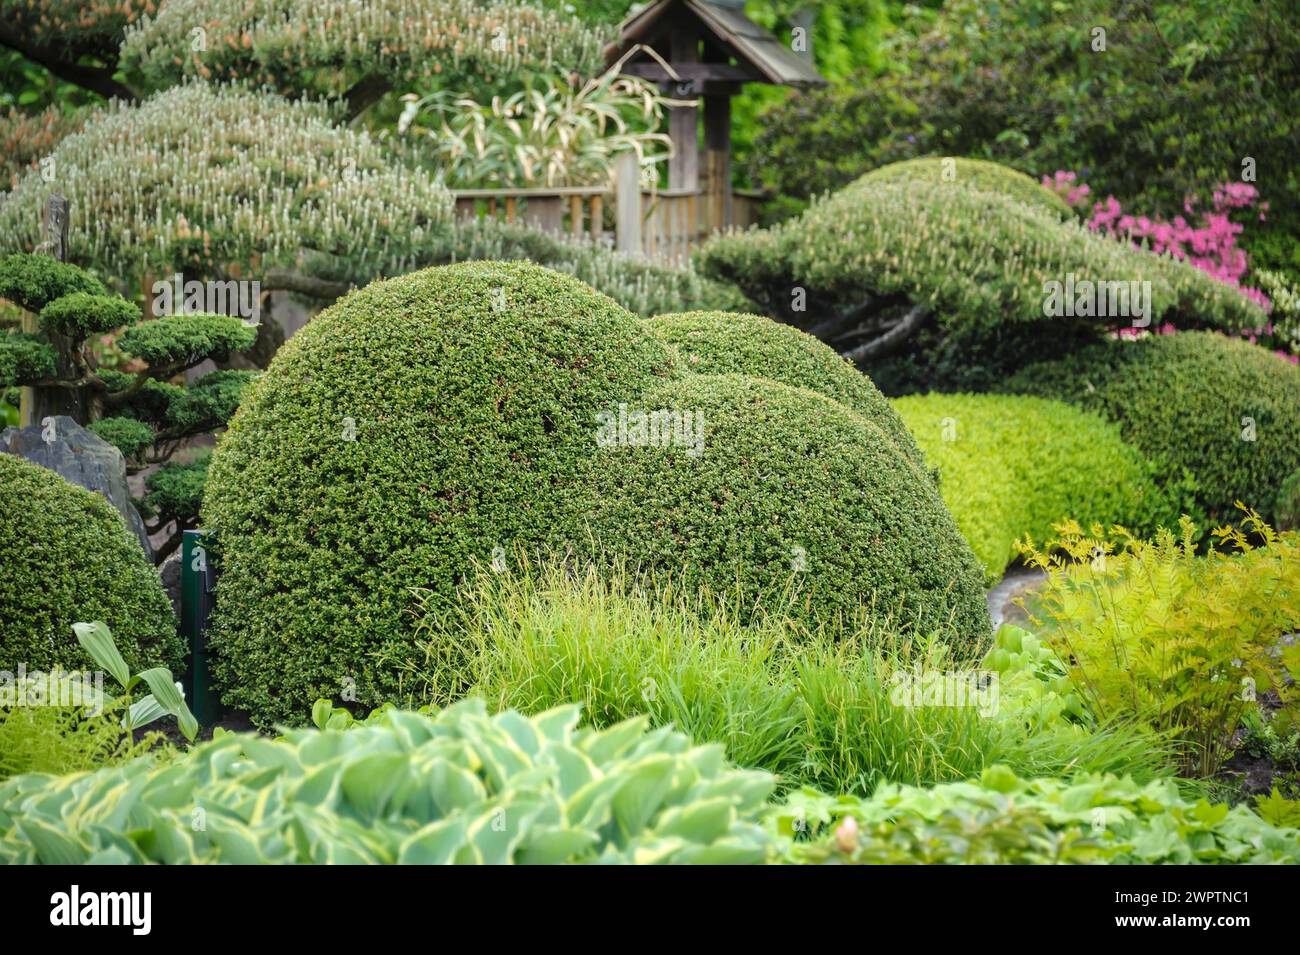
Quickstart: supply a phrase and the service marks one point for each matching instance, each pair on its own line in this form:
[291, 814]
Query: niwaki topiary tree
[782, 494]
[334, 48]
[354, 51]
[65, 558]
[873, 266]
[714, 343]
[401, 436]
[272, 191]
[1225, 409]
[146, 415]
[959, 172]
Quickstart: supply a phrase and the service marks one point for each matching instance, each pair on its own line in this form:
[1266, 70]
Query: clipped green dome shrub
[65, 558]
[402, 435]
[782, 487]
[1225, 410]
[978, 174]
[714, 343]
[1012, 465]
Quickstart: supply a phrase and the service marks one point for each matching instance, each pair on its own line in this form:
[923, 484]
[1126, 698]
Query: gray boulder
[81, 457]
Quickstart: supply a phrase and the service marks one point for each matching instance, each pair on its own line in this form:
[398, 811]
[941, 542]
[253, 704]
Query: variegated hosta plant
[556, 131]
[457, 786]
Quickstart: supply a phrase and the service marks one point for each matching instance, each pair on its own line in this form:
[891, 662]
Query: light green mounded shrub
[1012, 466]
[401, 436]
[457, 786]
[1226, 410]
[66, 557]
[715, 343]
[780, 488]
[960, 173]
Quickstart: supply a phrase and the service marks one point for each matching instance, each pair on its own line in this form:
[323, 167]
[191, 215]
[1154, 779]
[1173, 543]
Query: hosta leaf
[435, 844]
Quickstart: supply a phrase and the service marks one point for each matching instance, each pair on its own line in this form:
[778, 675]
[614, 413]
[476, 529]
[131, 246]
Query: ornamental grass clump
[824, 707]
[414, 428]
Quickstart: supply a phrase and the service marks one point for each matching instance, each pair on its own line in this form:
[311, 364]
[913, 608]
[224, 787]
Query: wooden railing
[662, 225]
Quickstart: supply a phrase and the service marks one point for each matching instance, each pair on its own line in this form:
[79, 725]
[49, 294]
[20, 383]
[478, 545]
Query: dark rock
[81, 457]
[170, 572]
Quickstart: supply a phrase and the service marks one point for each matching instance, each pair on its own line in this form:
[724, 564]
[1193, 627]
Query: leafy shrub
[782, 488]
[642, 287]
[457, 786]
[1000, 818]
[715, 343]
[26, 137]
[970, 174]
[398, 437]
[1012, 466]
[815, 708]
[1225, 410]
[1182, 643]
[65, 556]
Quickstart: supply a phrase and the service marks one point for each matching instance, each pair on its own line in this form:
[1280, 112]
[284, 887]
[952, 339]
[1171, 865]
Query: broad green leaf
[96, 639]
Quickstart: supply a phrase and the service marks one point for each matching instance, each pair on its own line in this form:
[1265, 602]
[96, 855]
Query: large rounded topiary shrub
[1224, 409]
[713, 343]
[402, 435]
[765, 487]
[66, 557]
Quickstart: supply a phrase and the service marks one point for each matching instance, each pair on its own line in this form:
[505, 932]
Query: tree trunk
[39, 403]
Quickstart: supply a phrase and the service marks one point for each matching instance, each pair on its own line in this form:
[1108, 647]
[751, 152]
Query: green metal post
[198, 586]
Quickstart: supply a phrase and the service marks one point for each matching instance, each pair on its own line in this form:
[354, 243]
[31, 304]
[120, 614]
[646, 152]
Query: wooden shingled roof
[725, 23]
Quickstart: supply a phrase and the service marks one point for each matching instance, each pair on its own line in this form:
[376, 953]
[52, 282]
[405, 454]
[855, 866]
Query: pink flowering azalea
[1210, 245]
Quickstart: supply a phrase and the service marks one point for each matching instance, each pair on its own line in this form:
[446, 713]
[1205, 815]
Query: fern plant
[1183, 643]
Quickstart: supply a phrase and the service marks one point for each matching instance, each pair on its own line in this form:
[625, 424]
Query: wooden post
[575, 215]
[38, 403]
[684, 121]
[717, 144]
[627, 207]
[597, 216]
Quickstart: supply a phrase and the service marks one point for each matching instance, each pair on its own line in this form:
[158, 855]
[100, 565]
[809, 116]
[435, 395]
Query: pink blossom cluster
[1210, 245]
[1066, 185]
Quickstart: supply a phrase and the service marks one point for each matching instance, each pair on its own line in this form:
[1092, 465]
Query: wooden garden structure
[704, 51]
